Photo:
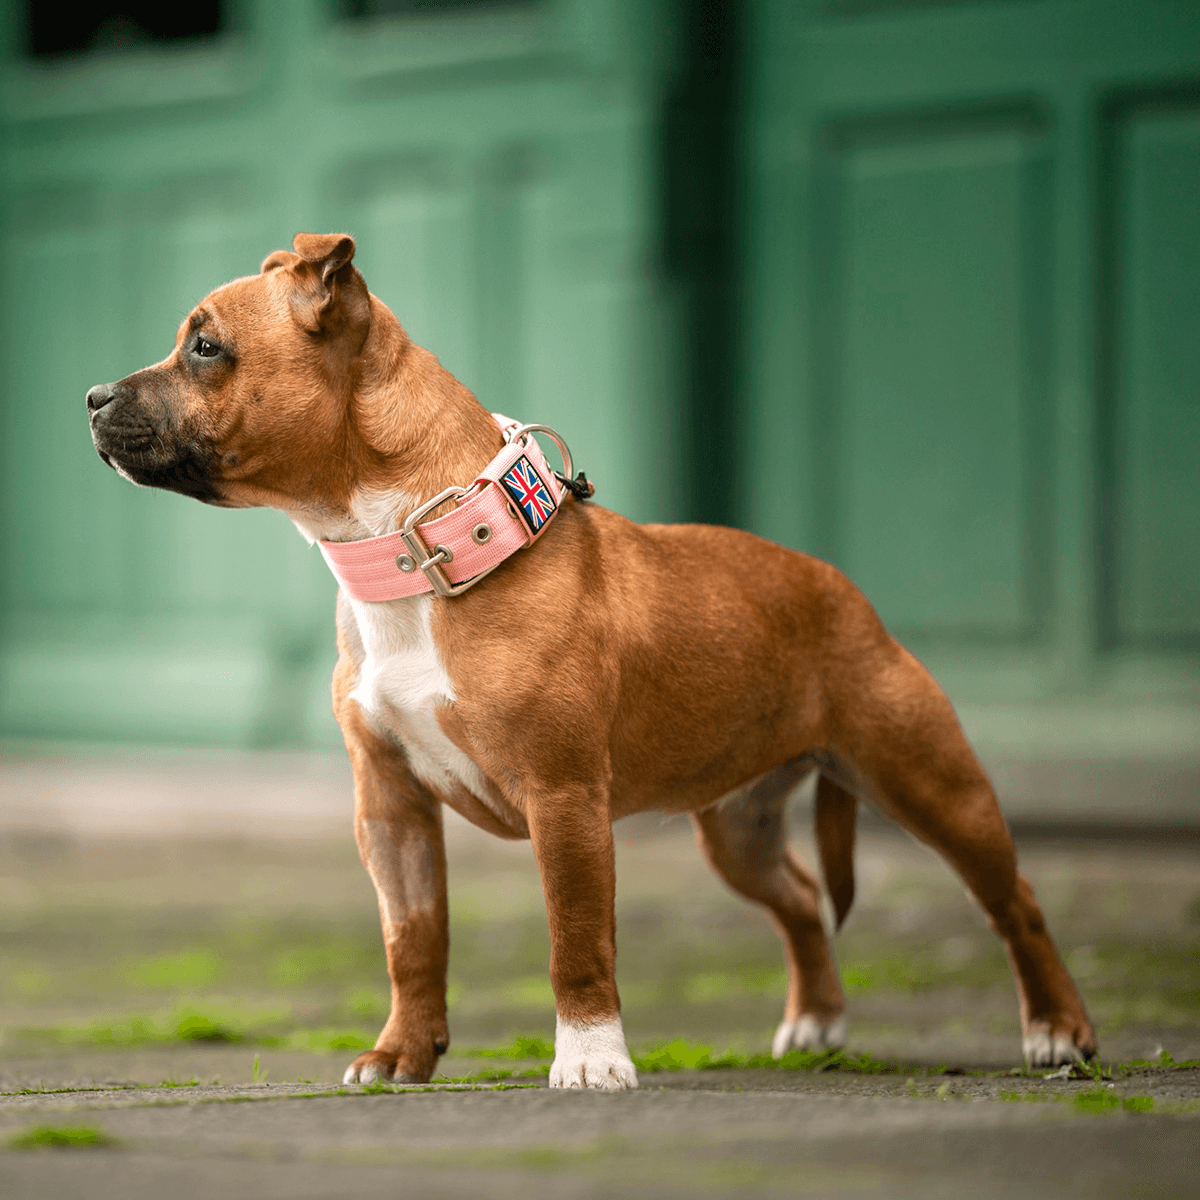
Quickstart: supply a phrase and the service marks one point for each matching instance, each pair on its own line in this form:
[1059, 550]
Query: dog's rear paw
[592, 1056]
[809, 1033]
[377, 1066]
[1045, 1045]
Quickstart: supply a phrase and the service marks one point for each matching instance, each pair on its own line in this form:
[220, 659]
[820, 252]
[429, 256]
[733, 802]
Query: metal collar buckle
[430, 561]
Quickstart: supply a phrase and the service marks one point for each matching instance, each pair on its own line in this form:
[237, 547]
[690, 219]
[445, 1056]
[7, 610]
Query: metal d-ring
[568, 466]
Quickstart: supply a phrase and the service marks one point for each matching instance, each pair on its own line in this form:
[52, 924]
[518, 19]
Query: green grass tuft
[1096, 1100]
[522, 1046]
[1167, 1060]
[683, 1056]
[60, 1135]
[680, 1055]
[186, 1024]
[325, 1038]
[498, 1074]
[349, 1041]
[195, 1027]
[902, 973]
[185, 971]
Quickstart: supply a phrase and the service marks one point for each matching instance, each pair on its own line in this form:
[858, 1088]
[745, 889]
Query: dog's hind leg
[899, 734]
[744, 837]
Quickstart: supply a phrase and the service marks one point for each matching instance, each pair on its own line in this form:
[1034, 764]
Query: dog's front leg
[398, 827]
[572, 840]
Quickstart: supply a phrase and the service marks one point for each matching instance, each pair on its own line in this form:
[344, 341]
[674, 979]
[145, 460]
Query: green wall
[972, 354]
[913, 286]
[496, 167]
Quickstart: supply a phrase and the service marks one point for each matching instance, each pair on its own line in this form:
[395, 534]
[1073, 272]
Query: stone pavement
[139, 894]
[688, 1135]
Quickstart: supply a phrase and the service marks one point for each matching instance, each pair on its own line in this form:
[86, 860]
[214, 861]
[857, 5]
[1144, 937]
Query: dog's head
[249, 407]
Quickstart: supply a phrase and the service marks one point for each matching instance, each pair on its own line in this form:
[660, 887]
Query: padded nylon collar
[508, 507]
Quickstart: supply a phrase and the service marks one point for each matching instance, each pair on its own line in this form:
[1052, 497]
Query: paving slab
[120, 924]
[745, 1133]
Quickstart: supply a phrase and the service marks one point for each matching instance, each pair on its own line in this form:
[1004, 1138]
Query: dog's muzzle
[147, 451]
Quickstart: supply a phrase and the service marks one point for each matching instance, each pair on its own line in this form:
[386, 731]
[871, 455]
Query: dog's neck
[413, 431]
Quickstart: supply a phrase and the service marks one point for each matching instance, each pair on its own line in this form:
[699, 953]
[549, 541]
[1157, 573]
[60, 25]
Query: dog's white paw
[592, 1056]
[363, 1073]
[809, 1033]
[1042, 1049]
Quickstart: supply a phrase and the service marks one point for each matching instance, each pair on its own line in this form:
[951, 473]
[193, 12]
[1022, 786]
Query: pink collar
[507, 508]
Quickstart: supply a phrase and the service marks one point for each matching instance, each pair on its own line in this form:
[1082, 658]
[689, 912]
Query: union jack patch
[523, 484]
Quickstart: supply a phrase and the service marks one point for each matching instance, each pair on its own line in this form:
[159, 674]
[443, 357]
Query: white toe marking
[1065, 1051]
[368, 1073]
[1038, 1048]
[1043, 1050]
[592, 1056]
[808, 1033]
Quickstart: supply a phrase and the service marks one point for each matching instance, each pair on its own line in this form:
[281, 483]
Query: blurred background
[913, 285]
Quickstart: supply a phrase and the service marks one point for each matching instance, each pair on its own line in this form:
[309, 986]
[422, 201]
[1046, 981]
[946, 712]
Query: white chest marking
[401, 683]
[401, 680]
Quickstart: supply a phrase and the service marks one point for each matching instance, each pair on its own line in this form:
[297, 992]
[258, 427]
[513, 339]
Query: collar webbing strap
[507, 508]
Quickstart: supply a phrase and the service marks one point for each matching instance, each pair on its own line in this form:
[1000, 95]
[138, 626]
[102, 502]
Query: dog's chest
[401, 683]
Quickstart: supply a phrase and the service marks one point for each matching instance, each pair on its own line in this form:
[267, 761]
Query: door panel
[1155, 559]
[934, 227]
[411, 217]
[471, 154]
[60, 263]
[971, 353]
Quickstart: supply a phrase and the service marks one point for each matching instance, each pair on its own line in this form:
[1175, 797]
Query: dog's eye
[206, 349]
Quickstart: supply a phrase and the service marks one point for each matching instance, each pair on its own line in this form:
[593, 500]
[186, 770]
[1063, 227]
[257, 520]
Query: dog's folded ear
[330, 295]
[328, 252]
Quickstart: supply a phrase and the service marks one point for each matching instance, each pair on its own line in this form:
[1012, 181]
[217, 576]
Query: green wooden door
[494, 163]
[973, 246]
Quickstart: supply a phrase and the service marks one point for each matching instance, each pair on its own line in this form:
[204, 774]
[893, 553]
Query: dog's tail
[833, 818]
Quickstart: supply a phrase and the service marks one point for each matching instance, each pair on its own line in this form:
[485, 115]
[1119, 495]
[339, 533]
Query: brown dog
[678, 668]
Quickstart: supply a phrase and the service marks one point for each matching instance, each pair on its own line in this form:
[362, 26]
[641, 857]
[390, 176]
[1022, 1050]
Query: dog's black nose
[99, 396]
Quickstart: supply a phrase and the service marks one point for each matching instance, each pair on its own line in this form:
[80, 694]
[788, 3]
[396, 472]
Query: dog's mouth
[184, 466]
